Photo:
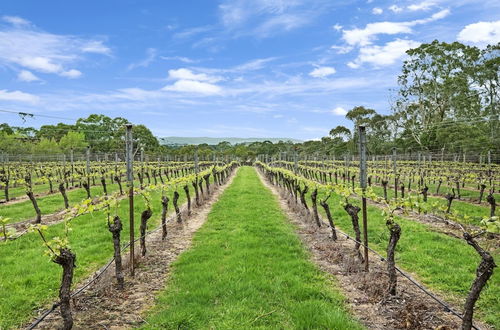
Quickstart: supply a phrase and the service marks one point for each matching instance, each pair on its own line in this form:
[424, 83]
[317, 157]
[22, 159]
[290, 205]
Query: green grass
[248, 269]
[51, 203]
[29, 280]
[439, 261]
[21, 191]
[477, 212]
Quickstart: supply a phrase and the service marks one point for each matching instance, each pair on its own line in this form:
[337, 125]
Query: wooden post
[129, 146]
[196, 168]
[362, 181]
[394, 170]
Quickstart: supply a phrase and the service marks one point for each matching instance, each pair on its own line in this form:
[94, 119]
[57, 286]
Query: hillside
[179, 141]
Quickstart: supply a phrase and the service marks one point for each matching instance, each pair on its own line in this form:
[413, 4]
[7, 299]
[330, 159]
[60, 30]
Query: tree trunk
[115, 230]
[66, 259]
[483, 273]
[176, 207]
[62, 189]
[384, 185]
[481, 192]
[146, 214]
[425, 192]
[119, 182]
[314, 197]
[395, 231]
[326, 207]
[35, 206]
[104, 187]
[491, 200]
[164, 211]
[86, 185]
[200, 184]
[353, 213]
[303, 193]
[207, 183]
[439, 186]
[449, 198]
[196, 192]
[188, 196]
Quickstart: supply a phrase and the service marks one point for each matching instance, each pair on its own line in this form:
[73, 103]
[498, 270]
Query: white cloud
[71, 74]
[377, 11]
[95, 46]
[425, 5]
[42, 64]
[15, 20]
[191, 86]
[383, 55]
[190, 82]
[481, 33]
[27, 76]
[18, 96]
[24, 46]
[186, 74]
[339, 111]
[342, 49]
[363, 37]
[322, 72]
[395, 9]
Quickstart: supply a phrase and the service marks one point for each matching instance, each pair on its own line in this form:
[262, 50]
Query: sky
[228, 68]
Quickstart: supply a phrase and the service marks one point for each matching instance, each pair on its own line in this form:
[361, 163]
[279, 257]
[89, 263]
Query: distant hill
[182, 141]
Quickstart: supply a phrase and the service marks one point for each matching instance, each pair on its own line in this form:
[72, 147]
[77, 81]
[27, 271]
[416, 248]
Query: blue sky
[245, 68]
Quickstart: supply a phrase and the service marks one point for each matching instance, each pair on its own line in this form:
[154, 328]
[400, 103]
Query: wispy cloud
[18, 96]
[265, 18]
[24, 46]
[368, 34]
[151, 54]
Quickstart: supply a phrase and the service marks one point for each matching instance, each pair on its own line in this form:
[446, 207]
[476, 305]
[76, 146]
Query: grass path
[248, 269]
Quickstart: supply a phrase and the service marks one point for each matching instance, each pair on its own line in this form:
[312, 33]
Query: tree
[73, 141]
[437, 84]
[54, 131]
[47, 147]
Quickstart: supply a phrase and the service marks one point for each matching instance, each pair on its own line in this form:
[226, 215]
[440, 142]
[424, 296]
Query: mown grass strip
[50, 204]
[248, 269]
[29, 280]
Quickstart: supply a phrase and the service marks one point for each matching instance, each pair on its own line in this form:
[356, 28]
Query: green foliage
[73, 141]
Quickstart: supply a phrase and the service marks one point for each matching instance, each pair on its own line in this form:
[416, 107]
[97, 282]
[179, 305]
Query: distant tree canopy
[101, 133]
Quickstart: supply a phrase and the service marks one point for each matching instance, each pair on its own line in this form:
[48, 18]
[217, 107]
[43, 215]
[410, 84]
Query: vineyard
[242, 164]
[424, 218]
